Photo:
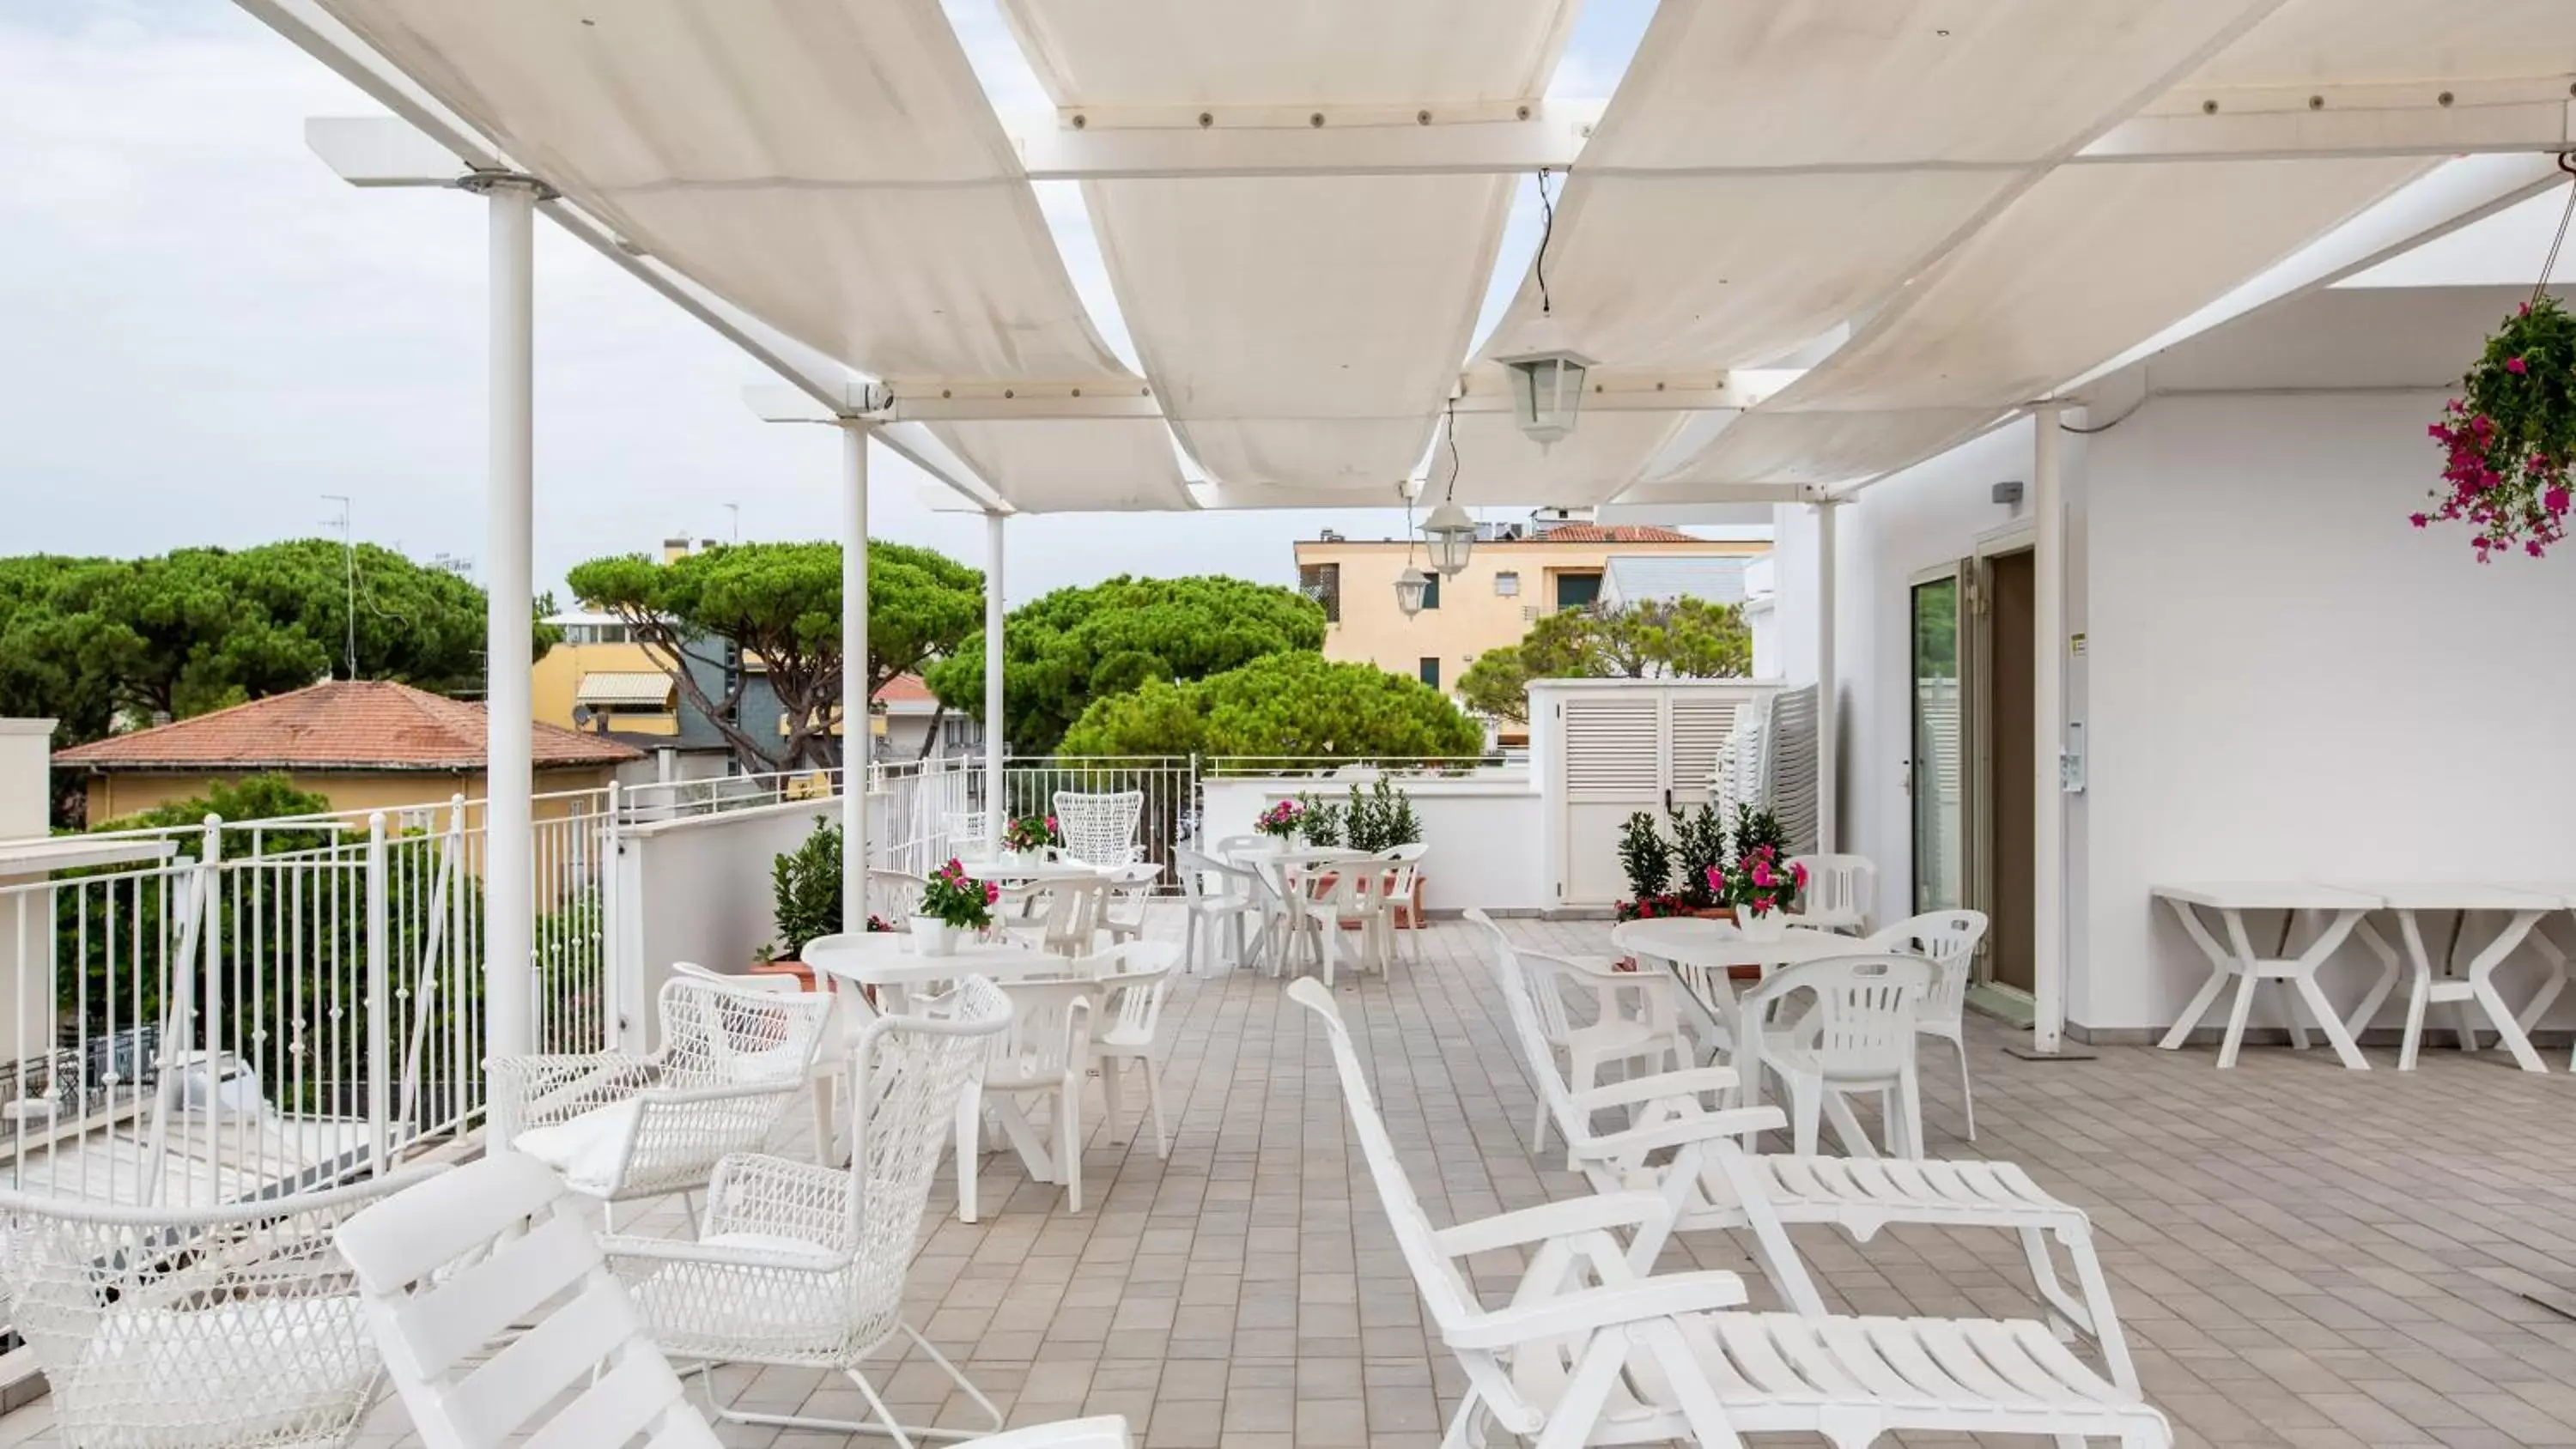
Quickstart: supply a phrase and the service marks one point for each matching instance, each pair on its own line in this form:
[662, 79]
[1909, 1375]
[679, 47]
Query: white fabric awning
[1986, 200]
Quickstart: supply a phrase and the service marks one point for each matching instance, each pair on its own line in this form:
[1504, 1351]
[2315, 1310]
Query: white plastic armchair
[1214, 893]
[1636, 1016]
[449, 1266]
[1100, 829]
[1386, 893]
[893, 895]
[1858, 1037]
[1838, 892]
[1044, 1054]
[173, 1328]
[1592, 1350]
[1129, 1031]
[621, 1126]
[1131, 892]
[1948, 939]
[803, 1266]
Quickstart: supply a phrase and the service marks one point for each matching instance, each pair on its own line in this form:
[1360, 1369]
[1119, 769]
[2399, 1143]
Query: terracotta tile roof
[339, 724]
[1615, 533]
[905, 689]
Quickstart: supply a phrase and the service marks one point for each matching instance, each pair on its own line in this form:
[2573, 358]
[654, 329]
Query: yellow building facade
[1507, 585]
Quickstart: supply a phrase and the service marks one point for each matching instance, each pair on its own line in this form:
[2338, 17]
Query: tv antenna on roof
[349, 561]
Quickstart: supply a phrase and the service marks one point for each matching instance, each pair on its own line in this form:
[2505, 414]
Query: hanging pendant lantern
[1410, 588]
[1547, 383]
[1449, 535]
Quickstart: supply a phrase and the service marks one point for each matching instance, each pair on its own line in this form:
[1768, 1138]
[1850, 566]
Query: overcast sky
[202, 332]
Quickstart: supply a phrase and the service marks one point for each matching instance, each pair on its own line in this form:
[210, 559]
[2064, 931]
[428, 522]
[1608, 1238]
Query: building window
[1431, 670]
[1323, 584]
[1577, 591]
[1507, 584]
[1431, 593]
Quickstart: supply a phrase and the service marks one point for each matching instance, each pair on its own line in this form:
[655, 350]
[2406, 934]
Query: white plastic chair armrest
[1667, 1296]
[1681, 1132]
[1553, 1220]
[1689, 1082]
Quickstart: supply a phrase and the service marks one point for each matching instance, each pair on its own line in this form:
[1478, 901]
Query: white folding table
[2467, 988]
[2340, 910]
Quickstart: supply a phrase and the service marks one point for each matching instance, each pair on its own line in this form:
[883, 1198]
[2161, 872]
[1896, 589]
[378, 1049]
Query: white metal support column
[995, 609]
[856, 737]
[509, 621]
[2048, 734]
[1828, 785]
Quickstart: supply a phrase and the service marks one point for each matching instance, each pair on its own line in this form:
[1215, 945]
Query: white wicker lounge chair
[234, 1327]
[803, 1266]
[621, 1126]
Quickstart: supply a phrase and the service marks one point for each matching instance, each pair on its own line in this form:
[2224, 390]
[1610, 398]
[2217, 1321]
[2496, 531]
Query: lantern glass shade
[1450, 536]
[1410, 586]
[1547, 388]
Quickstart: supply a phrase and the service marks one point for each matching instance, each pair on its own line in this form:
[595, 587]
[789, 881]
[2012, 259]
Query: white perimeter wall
[1483, 833]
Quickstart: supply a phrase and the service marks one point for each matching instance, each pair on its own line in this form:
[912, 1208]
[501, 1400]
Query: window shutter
[1700, 730]
[1612, 747]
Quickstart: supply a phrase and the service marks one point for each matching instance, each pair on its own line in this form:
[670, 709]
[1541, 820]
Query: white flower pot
[932, 936]
[1012, 858]
[1771, 925]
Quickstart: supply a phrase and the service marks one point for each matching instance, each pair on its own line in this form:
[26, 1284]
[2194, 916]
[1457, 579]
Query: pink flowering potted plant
[2509, 439]
[1281, 822]
[1026, 839]
[952, 903]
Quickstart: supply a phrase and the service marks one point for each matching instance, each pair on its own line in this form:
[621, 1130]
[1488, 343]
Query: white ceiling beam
[1082, 145]
[2347, 122]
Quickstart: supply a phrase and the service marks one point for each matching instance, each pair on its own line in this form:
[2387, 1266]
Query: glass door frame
[1921, 774]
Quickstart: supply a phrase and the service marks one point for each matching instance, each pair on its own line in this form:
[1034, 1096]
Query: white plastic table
[1277, 867]
[2551, 954]
[1700, 951]
[2468, 989]
[1022, 872]
[2236, 958]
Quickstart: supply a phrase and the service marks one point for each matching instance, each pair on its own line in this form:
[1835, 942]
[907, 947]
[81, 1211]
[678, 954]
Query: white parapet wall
[698, 890]
[1482, 829]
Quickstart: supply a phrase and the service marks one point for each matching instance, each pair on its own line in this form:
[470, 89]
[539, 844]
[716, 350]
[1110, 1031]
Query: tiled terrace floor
[2303, 1256]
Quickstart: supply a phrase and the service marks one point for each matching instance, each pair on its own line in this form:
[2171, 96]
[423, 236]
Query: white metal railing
[282, 1001]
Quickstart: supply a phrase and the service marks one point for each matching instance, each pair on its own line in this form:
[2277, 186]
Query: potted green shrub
[1379, 819]
[805, 899]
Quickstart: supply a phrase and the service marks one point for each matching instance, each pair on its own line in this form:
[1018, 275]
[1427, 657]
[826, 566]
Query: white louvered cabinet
[1603, 749]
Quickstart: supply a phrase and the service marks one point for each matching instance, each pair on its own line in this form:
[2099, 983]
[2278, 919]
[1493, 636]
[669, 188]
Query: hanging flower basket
[2509, 439]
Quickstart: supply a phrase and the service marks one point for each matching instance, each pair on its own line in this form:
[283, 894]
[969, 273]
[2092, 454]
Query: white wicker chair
[172, 1328]
[1100, 829]
[453, 1265]
[1948, 939]
[621, 1126]
[803, 1266]
[840, 1034]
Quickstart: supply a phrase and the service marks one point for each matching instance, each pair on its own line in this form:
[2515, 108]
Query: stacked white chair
[1858, 1037]
[621, 1126]
[1947, 939]
[1214, 894]
[803, 1266]
[1594, 1350]
[1129, 1032]
[172, 1328]
[1837, 894]
[1100, 829]
[1716, 1184]
[451, 1266]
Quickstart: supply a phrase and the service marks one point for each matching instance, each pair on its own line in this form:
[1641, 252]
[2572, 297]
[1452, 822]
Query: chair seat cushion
[588, 1151]
[268, 1370]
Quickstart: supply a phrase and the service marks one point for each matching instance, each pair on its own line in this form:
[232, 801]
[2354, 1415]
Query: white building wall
[2289, 681]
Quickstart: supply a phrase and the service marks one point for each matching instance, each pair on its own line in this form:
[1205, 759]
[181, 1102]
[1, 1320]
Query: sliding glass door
[1938, 768]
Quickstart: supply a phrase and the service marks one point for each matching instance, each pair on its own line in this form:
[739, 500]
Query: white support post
[509, 782]
[855, 738]
[1828, 786]
[2048, 735]
[995, 610]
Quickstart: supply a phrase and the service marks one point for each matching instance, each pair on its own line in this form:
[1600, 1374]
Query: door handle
[1668, 799]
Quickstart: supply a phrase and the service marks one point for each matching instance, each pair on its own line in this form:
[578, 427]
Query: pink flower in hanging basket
[2508, 438]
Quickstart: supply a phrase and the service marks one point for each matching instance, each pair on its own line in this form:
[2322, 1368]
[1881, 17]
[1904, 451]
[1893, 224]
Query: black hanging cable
[1546, 229]
[1452, 495]
[2566, 163]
